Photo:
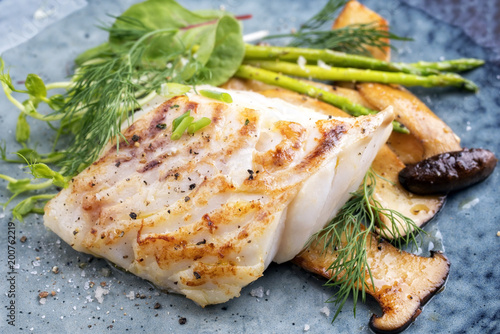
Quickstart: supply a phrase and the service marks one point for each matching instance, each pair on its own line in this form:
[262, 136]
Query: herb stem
[62, 84]
[8, 178]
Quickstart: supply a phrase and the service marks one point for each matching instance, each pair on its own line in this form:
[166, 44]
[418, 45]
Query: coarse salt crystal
[301, 62]
[430, 247]
[100, 293]
[130, 295]
[323, 65]
[259, 292]
[43, 300]
[325, 310]
[470, 204]
[306, 327]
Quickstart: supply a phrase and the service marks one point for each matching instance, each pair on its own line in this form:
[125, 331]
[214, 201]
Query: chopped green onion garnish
[198, 125]
[221, 96]
[179, 119]
[179, 130]
[172, 89]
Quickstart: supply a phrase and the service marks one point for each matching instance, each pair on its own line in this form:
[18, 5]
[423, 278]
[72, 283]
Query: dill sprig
[353, 39]
[326, 14]
[347, 236]
[107, 90]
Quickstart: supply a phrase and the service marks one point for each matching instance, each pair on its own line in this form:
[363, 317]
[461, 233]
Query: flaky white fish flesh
[205, 215]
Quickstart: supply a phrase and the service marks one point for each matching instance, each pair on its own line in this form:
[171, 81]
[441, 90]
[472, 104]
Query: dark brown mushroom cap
[447, 172]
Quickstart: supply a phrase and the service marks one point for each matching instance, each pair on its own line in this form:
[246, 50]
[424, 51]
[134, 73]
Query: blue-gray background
[44, 36]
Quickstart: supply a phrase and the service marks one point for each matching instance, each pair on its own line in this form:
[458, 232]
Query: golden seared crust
[202, 215]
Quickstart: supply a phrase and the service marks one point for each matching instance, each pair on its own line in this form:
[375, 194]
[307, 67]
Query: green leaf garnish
[35, 86]
[171, 89]
[22, 129]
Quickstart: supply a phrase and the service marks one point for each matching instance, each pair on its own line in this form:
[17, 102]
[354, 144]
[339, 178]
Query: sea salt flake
[258, 292]
[302, 62]
[323, 65]
[100, 293]
[306, 327]
[43, 300]
[470, 204]
[130, 295]
[325, 310]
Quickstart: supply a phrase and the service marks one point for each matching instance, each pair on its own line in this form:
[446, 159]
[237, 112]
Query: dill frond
[353, 39]
[106, 92]
[347, 236]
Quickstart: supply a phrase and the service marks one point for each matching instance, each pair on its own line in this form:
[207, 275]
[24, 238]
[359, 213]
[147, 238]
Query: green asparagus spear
[341, 59]
[276, 79]
[353, 74]
[452, 65]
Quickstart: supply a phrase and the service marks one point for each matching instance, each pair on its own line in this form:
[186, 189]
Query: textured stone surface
[469, 304]
[480, 19]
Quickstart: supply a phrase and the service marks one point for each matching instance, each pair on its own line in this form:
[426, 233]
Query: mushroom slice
[390, 194]
[433, 134]
[404, 282]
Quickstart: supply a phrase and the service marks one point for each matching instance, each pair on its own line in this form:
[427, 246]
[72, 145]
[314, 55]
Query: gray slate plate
[470, 303]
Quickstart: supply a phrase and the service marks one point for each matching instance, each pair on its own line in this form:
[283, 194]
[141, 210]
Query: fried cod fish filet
[204, 215]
